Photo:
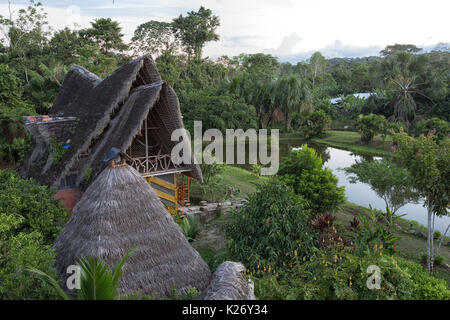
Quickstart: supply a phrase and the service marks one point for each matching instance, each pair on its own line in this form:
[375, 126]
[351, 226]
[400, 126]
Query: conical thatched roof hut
[118, 211]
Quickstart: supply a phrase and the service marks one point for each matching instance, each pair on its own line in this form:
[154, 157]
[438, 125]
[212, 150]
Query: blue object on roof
[112, 154]
[66, 146]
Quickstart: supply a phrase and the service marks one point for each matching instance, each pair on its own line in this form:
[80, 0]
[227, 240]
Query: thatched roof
[118, 211]
[228, 283]
[109, 114]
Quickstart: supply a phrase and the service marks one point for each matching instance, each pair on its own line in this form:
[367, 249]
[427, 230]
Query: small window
[68, 182]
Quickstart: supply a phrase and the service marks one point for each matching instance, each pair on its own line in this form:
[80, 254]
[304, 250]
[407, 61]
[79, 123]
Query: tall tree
[196, 29]
[106, 33]
[429, 165]
[153, 37]
[292, 95]
[392, 183]
[402, 70]
[24, 34]
[394, 48]
[259, 66]
[318, 64]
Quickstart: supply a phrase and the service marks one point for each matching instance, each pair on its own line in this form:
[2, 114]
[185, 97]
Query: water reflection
[362, 194]
[359, 193]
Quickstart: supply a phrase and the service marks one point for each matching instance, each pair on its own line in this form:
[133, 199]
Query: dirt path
[213, 235]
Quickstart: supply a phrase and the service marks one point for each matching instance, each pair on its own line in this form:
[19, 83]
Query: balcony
[154, 165]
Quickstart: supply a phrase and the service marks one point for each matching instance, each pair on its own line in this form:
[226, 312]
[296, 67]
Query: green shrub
[370, 125]
[30, 220]
[271, 228]
[303, 170]
[315, 124]
[438, 260]
[425, 286]
[190, 226]
[374, 229]
[272, 288]
[437, 235]
[340, 274]
[209, 171]
[40, 211]
[343, 275]
[17, 252]
[424, 126]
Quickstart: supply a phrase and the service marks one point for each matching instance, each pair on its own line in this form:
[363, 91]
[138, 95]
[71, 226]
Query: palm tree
[402, 72]
[292, 95]
[403, 104]
[97, 281]
[260, 94]
[263, 98]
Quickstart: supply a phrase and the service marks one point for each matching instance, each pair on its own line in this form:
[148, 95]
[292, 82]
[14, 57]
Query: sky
[291, 30]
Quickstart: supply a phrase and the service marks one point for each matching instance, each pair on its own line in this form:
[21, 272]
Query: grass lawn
[234, 177]
[350, 140]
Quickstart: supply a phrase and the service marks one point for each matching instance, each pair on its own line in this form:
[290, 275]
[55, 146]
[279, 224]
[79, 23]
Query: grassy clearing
[350, 140]
[241, 179]
[234, 177]
[291, 136]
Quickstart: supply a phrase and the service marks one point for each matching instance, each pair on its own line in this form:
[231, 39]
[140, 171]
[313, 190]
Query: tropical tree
[259, 93]
[429, 165]
[106, 33]
[25, 33]
[97, 280]
[259, 66]
[154, 37]
[12, 109]
[292, 95]
[392, 183]
[304, 171]
[195, 29]
[394, 48]
[318, 64]
[402, 72]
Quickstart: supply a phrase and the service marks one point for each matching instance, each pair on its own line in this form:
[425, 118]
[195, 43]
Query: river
[361, 193]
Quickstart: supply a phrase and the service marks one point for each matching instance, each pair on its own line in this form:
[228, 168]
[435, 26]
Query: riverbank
[351, 141]
[410, 246]
[211, 242]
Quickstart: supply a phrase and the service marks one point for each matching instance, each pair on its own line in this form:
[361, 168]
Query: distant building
[132, 111]
[364, 95]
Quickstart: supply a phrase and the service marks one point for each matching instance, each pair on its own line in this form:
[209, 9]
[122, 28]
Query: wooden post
[188, 183]
[146, 145]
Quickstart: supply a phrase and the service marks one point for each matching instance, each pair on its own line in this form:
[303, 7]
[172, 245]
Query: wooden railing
[152, 163]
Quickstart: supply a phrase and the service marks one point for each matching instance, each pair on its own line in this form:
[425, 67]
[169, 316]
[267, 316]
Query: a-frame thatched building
[132, 110]
[120, 210]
